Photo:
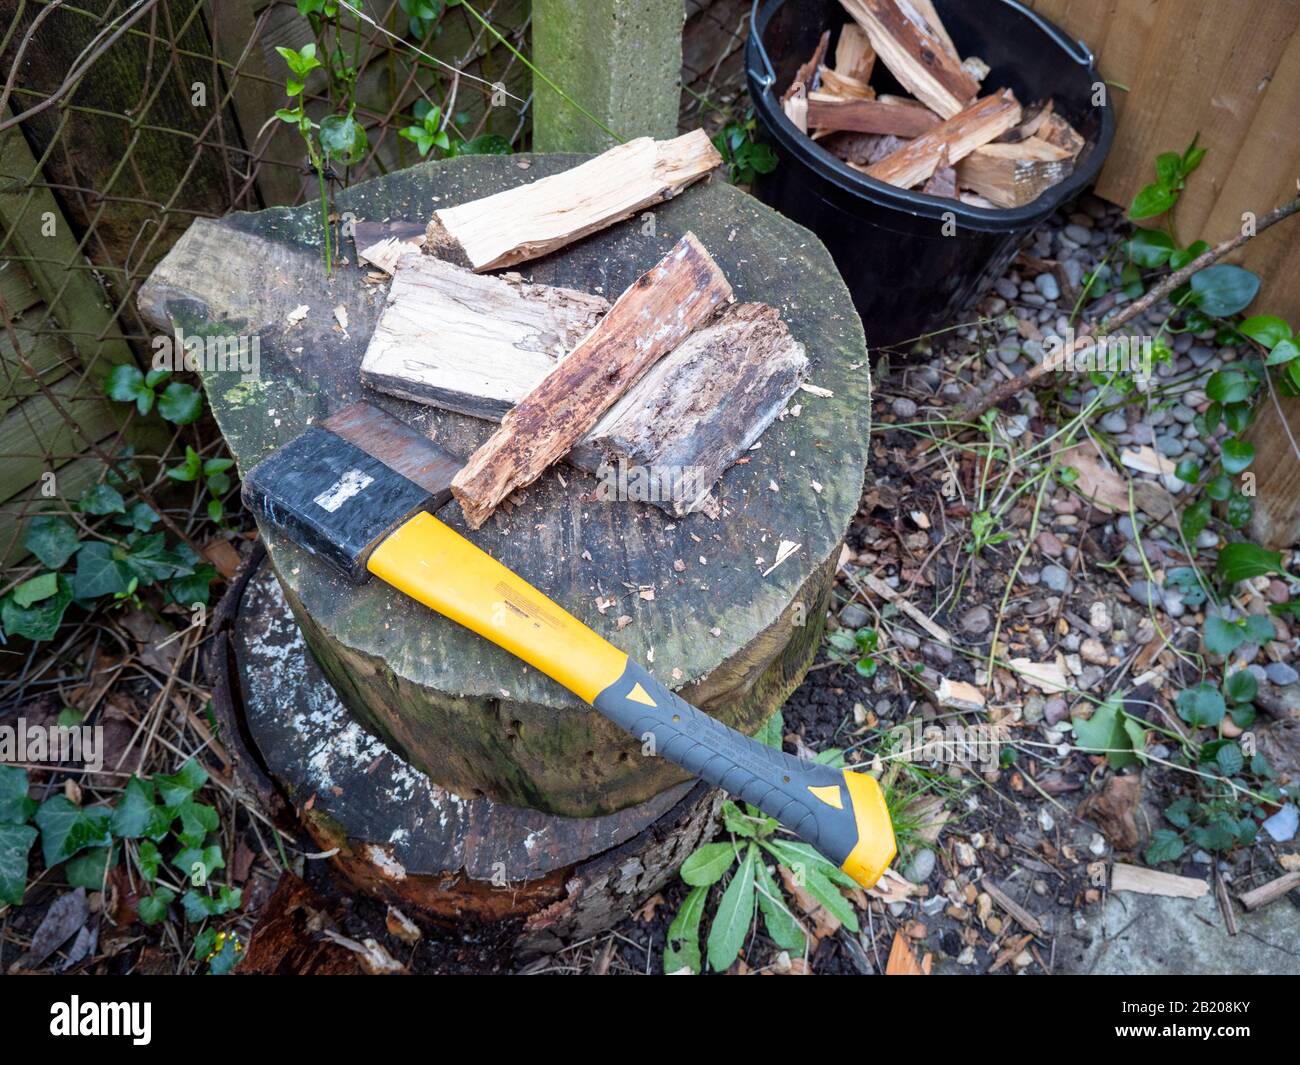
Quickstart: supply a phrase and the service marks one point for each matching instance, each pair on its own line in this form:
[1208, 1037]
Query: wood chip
[959, 695]
[1023, 917]
[1145, 881]
[1270, 892]
[878, 587]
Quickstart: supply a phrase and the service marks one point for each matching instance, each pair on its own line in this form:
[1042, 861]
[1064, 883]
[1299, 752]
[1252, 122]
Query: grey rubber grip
[775, 782]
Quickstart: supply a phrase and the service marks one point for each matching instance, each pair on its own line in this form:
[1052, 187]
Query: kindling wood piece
[916, 57]
[532, 220]
[1011, 175]
[869, 116]
[806, 75]
[924, 9]
[655, 314]
[854, 56]
[468, 342]
[699, 408]
[949, 142]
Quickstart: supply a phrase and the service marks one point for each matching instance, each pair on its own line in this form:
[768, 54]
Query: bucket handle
[769, 79]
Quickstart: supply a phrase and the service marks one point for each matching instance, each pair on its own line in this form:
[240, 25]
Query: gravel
[1057, 578]
[1281, 674]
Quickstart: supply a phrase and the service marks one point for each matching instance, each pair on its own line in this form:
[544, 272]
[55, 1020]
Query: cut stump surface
[688, 598]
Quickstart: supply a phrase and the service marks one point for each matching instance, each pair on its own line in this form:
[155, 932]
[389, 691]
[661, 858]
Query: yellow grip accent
[875, 848]
[434, 564]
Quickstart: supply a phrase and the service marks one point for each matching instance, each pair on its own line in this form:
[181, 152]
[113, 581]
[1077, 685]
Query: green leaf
[1188, 471]
[1267, 329]
[1150, 248]
[1165, 846]
[102, 499]
[213, 466]
[1236, 454]
[797, 856]
[189, 469]
[222, 961]
[1229, 759]
[772, 732]
[734, 820]
[149, 560]
[52, 540]
[153, 908]
[1284, 352]
[66, 828]
[343, 138]
[139, 517]
[15, 806]
[682, 948]
[1241, 686]
[1179, 813]
[89, 868]
[134, 810]
[36, 589]
[148, 859]
[1219, 488]
[1223, 289]
[486, 144]
[1222, 637]
[1241, 561]
[180, 404]
[199, 861]
[1194, 519]
[41, 620]
[177, 788]
[1229, 386]
[780, 923]
[1259, 629]
[1238, 511]
[124, 383]
[1183, 256]
[99, 571]
[193, 588]
[198, 906]
[15, 844]
[197, 821]
[1201, 705]
[735, 912]
[1104, 732]
[820, 888]
[1151, 201]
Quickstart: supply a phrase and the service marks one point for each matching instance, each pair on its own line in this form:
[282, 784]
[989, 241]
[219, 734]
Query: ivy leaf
[149, 860]
[1236, 454]
[1165, 846]
[51, 539]
[99, 571]
[102, 499]
[1241, 561]
[15, 844]
[1224, 289]
[66, 828]
[15, 806]
[199, 861]
[36, 589]
[153, 908]
[192, 588]
[1201, 706]
[780, 923]
[177, 788]
[682, 948]
[735, 912]
[134, 810]
[197, 821]
[41, 620]
[1222, 637]
[198, 906]
[180, 404]
[89, 868]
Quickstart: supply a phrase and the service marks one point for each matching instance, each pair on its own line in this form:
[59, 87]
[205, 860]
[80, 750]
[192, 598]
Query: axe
[359, 491]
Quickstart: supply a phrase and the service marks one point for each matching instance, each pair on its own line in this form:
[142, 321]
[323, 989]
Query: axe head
[342, 486]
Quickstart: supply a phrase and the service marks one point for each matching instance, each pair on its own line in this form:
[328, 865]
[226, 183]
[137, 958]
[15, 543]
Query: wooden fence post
[620, 59]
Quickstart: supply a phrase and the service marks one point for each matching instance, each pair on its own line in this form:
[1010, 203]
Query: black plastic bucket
[916, 263]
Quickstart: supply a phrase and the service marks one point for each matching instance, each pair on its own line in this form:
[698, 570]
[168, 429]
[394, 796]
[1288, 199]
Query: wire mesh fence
[713, 63]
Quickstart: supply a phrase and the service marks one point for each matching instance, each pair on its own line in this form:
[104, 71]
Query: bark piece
[655, 314]
[701, 406]
[954, 139]
[916, 57]
[860, 150]
[869, 116]
[1011, 175]
[1270, 892]
[837, 86]
[1153, 882]
[470, 343]
[533, 220]
[806, 76]
[1056, 130]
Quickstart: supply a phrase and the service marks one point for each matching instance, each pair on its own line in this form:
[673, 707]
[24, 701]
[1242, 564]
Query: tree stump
[535, 880]
[701, 602]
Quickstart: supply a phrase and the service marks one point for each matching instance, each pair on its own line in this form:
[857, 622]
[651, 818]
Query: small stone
[1050, 544]
[976, 621]
[1055, 577]
[937, 653]
[1115, 422]
[1078, 234]
[1282, 826]
[920, 867]
[1048, 286]
[1277, 591]
[1092, 651]
[903, 407]
[854, 616]
[1099, 617]
[1281, 674]
[1006, 288]
[1200, 355]
[1033, 709]
[1143, 593]
[1170, 446]
[1055, 711]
